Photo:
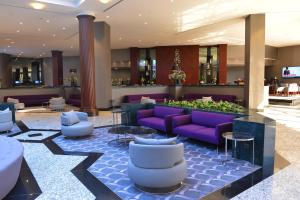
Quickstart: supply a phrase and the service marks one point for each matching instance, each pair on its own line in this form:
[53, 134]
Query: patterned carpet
[206, 173]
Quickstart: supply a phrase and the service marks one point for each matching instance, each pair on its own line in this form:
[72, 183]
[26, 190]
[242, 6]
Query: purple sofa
[32, 100]
[215, 97]
[160, 117]
[203, 126]
[137, 97]
[75, 100]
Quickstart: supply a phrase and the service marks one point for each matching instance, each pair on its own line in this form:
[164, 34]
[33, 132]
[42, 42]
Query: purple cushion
[197, 132]
[163, 111]
[210, 119]
[153, 122]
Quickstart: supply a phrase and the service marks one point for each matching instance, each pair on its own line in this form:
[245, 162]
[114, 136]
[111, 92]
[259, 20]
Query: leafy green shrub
[221, 106]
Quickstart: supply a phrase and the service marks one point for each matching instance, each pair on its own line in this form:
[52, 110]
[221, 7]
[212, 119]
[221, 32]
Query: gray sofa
[11, 156]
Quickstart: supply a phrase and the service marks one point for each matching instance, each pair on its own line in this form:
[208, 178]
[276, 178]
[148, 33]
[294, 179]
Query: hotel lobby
[149, 99]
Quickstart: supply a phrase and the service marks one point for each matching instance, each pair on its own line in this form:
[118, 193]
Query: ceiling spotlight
[105, 1]
[18, 31]
[21, 23]
[53, 35]
[39, 29]
[12, 42]
[140, 15]
[44, 45]
[107, 16]
[48, 21]
[37, 6]
[8, 46]
[145, 23]
[63, 28]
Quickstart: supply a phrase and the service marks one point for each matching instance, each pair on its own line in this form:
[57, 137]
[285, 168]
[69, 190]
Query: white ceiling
[142, 23]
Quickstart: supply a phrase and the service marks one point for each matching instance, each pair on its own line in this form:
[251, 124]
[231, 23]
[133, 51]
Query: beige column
[102, 65]
[254, 61]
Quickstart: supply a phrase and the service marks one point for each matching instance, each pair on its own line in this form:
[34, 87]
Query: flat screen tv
[291, 72]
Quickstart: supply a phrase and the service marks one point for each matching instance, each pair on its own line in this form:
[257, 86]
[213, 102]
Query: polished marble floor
[206, 171]
[285, 184]
[282, 185]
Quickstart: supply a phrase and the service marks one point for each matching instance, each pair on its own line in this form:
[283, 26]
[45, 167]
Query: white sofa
[81, 128]
[57, 103]
[11, 155]
[157, 168]
[6, 122]
[16, 102]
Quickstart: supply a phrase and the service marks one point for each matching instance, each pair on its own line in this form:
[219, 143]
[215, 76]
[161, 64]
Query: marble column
[87, 64]
[5, 71]
[254, 61]
[103, 65]
[57, 64]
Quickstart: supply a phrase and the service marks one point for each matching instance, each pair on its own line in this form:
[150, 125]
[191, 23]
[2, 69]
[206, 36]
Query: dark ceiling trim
[115, 4]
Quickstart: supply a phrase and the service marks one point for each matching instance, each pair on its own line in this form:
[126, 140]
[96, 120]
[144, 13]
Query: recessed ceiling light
[63, 28]
[8, 46]
[21, 23]
[105, 1]
[71, 47]
[37, 6]
[140, 40]
[145, 23]
[107, 16]
[12, 42]
[140, 14]
[44, 45]
[172, 1]
[53, 35]
[39, 29]
[48, 21]
[120, 38]
[18, 31]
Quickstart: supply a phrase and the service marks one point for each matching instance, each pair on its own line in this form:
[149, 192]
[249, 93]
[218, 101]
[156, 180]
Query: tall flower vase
[177, 82]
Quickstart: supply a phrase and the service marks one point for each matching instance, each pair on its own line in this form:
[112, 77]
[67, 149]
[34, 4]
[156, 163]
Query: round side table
[238, 137]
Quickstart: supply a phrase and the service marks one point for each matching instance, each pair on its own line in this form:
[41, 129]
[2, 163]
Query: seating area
[137, 98]
[215, 97]
[32, 100]
[149, 100]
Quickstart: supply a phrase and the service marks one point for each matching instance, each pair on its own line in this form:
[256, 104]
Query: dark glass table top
[135, 130]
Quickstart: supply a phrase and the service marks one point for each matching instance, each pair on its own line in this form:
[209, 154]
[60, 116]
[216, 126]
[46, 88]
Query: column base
[90, 111]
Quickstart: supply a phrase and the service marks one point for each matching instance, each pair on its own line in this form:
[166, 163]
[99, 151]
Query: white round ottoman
[11, 155]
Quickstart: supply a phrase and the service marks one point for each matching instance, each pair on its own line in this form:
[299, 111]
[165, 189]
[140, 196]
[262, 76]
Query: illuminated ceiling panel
[69, 3]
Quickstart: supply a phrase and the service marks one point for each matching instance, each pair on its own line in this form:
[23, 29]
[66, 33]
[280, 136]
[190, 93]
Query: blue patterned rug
[206, 173]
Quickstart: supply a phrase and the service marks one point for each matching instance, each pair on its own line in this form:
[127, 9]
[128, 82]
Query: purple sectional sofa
[215, 97]
[75, 100]
[32, 100]
[160, 117]
[137, 97]
[203, 126]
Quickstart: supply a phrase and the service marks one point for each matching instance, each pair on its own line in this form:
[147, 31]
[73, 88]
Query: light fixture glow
[105, 1]
[37, 6]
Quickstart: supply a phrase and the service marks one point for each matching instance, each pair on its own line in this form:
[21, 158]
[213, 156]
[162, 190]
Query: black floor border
[101, 191]
[30, 192]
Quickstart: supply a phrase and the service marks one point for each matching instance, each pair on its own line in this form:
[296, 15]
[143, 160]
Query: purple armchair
[204, 126]
[160, 117]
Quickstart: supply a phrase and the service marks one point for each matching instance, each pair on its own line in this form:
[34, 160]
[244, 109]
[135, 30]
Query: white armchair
[16, 102]
[57, 103]
[293, 88]
[6, 122]
[158, 168]
[76, 124]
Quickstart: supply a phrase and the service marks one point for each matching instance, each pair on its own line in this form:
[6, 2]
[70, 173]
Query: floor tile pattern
[53, 173]
[45, 134]
[206, 173]
[13, 131]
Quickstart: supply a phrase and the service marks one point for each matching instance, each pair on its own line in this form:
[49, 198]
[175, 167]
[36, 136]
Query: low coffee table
[126, 133]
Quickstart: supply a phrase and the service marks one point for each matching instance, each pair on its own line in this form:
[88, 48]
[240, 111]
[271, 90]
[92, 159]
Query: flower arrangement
[177, 74]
